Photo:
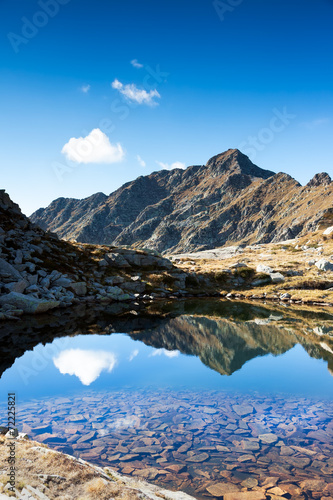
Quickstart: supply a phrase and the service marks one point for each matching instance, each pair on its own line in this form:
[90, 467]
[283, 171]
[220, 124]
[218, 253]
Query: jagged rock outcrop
[39, 272]
[322, 179]
[227, 200]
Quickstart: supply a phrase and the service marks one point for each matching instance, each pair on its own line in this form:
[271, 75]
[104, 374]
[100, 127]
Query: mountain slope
[225, 201]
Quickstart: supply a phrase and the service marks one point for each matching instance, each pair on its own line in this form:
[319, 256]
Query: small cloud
[167, 166]
[135, 63]
[94, 148]
[86, 365]
[125, 422]
[134, 94]
[141, 161]
[318, 122]
[116, 84]
[133, 354]
[85, 88]
[165, 352]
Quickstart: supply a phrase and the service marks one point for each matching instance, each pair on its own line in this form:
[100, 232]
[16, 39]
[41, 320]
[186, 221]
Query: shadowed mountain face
[224, 336]
[227, 200]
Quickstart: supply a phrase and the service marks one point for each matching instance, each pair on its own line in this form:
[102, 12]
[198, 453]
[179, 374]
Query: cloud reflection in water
[84, 364]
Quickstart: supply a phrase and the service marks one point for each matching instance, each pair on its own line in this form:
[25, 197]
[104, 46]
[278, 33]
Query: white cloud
[116, 84]
[134, 94]
[165, 352]
[141, 161]
[318, 122]
[167, 166]
[133, 354]
[136, 64]
[86, 365]
[85, 88]
[94, 148]
[125, 422]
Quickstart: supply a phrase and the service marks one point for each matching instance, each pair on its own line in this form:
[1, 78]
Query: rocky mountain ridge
[227, 200]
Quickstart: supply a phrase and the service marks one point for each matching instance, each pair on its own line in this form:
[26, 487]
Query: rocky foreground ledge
[45, 474]
[39, 272]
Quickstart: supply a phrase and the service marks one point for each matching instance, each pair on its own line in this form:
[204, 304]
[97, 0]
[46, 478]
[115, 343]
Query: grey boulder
[27, 303]
[116, 260]
[16, 286]
[261, 268]
[324, 265]
[8, 269]
[79, 288]
[277, 277]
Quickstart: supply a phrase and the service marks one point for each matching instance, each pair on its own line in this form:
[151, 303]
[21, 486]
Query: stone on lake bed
[87, 437]
[246, 458]
[250, 444]
[201, 457]
[286, 450]
[50, 438]
[128, 457]
[147, 450]
[149, 473]
[298, 461]
[243, 409]
[221, 489]
[184, 448]
[245, 495]
[268, 438]
[210, 411]
[77, 418]
[250, 482]
[313, 485]
[42, 429]
[222, 448]
[113, 458]
[277, 491]
[320, 436]
[176, 468]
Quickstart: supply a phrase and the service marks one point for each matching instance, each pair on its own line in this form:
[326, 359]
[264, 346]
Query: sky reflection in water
[71, 364]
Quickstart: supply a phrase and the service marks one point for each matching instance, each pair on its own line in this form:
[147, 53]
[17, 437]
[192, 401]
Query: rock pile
[39, 272]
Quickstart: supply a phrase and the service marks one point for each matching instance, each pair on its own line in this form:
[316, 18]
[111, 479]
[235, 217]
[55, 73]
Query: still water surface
[187, 397]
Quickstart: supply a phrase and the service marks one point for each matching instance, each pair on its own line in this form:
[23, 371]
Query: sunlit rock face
[202, 207]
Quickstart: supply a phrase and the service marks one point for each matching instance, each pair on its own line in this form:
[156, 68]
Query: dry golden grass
[60, 477]
[310, 286]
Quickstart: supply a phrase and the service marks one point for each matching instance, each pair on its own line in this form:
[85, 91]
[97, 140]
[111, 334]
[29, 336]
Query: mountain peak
[226, 201]
[322, 179]
[234, 161]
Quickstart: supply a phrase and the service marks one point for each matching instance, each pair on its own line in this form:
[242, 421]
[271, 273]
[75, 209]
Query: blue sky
[207, 76]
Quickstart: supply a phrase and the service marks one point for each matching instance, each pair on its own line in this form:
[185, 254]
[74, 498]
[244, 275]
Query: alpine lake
[203, 396]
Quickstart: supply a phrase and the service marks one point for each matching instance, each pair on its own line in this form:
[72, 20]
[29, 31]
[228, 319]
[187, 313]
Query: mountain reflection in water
[222, 334]
[198, 396]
